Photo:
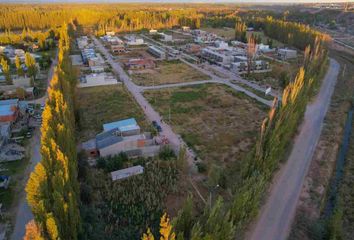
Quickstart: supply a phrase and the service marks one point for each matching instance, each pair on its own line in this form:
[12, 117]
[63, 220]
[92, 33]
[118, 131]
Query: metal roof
[7, 106]
[108, 138]
[127, 172]
[122, 125]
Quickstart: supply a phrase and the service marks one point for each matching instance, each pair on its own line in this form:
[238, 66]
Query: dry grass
[219, 124]
[99, 105]
[168, 72]
[225, 32]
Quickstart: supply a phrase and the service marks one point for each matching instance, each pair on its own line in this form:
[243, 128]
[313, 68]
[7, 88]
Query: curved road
[276, 216]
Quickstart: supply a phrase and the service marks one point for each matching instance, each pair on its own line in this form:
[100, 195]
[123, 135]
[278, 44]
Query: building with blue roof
[125, 127]
[9, 110]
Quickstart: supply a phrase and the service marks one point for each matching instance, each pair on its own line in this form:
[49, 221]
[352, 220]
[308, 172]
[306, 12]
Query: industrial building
[165, 37]
[122, 136]
[156, 52]
[242, 66]
[285, 53]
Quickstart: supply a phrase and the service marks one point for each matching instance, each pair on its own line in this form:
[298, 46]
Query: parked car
[157, 126]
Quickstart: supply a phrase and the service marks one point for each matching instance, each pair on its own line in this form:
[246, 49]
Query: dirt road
[277, 214]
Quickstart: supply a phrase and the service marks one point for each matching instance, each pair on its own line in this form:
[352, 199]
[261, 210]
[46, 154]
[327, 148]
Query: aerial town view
[176, 120]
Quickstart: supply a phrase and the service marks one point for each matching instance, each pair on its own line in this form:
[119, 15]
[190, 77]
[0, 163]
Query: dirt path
[277, 214]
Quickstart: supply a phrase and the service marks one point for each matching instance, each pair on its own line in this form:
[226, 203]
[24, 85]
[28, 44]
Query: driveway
[276, 216]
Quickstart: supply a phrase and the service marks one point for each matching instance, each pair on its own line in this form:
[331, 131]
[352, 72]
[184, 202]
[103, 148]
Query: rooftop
[122, 125]
[127, 172]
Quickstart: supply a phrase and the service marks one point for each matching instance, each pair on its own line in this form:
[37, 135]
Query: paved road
[276, 216]
[174, 139]
[24, 213]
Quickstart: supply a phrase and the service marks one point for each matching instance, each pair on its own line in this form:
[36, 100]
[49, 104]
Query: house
[97, 79]
[9, 110]
[186, 29]
[262, 47]
[97, 69]
[216, 56]
[117, 48]
[156, 52]
[221, 44]
[110, 33]
[242, 66]
[138, 64]
[165, 37]
[5, 133]
[127, 172]
[82, 42]
[285, 53]
[152, 32]
[133, 40]
[193, 48]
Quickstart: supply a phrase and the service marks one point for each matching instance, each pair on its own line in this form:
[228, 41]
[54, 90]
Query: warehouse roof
[122, 125]
[7, 106]
[108, 138]
[127, 172]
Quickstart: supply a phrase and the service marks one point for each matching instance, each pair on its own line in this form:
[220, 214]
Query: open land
[168, 72]
[218, 123]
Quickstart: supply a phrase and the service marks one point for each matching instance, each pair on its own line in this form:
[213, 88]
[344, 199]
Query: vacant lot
[168, 72]
[99, 105]
[218, 123]
[224, 32]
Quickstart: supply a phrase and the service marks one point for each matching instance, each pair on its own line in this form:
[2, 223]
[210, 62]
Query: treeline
[52, 189]
[291, 33]
[45, 39]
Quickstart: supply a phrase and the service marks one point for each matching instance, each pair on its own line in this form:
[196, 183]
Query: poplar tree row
[52, 189]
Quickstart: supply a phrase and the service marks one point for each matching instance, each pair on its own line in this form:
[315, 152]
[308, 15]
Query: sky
[184, 1]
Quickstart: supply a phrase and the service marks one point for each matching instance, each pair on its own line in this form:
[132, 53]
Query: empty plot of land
[218, 123]
[224, 32]
[99, 105]
[168, 72]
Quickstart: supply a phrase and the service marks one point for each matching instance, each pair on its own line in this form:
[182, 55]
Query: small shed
[127, 172]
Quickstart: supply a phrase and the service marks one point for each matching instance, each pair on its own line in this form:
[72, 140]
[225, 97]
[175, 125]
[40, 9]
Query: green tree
[31, 65]
[6, 70]
[18, 66]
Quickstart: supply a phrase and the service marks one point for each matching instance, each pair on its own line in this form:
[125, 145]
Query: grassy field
[265, 38]
[218, 123]
[168, 72]
[225, 32]
[99, 105]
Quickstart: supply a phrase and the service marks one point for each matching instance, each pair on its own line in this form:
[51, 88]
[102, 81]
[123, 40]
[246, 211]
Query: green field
[99, 105]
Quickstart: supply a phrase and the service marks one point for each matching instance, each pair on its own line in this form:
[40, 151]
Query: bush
[202, 167]
[166, 153]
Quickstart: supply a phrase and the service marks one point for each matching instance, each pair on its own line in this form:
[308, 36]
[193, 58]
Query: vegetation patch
[218, 123]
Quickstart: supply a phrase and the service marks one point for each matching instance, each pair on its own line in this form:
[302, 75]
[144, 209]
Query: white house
[285, 53]
[127, 172]
[97, 79]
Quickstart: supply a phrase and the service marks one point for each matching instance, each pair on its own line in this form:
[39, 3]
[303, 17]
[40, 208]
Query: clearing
[220, 124]
[99, 105]
[168, 72]
[224, 32]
